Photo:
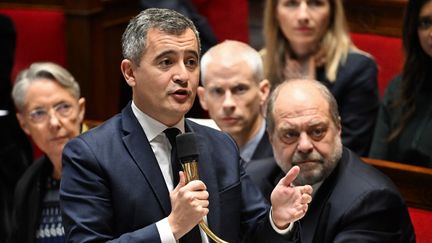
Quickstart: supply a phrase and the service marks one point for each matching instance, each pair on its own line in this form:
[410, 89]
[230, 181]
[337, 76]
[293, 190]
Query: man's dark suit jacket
[112, 187]
[263, 149]
[356, 203]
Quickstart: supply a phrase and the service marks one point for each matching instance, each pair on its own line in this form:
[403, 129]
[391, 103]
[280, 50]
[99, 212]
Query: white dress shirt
[154, 131]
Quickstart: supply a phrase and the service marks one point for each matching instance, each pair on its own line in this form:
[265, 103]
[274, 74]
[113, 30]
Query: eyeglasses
[41, 115]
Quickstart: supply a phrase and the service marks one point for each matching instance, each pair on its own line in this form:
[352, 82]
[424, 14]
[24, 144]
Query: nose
[228, 102]
[303, 12]
[54, 120]
[181, 75]
[304, 144]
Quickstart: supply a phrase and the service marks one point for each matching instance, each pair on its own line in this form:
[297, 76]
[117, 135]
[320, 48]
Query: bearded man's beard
[314, 167]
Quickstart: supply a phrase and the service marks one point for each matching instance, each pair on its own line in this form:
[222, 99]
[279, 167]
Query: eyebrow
[193, 52]
[170, 52]
[317, 123]
[313, 123]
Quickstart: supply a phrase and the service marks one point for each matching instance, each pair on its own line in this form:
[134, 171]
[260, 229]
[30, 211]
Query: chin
[309, 177]
[183, 108]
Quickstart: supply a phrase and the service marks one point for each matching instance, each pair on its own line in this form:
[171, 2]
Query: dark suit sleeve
[380, 146]
[86, 200]
[263, 231]
[241, 201]
[377, 216]
[358, 103]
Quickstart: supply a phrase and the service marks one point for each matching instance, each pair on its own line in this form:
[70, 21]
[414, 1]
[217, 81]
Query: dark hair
[134, 39]
[416, 70]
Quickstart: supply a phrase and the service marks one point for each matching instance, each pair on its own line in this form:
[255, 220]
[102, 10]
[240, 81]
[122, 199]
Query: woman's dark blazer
[27, 199]
[356, 92]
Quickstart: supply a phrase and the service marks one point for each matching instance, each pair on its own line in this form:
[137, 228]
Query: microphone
[187, 152]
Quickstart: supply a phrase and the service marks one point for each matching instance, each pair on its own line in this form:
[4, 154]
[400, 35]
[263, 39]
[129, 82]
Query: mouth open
[181, 95]
[181, 92]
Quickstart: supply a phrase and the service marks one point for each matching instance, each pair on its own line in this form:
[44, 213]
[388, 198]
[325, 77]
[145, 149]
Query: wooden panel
[414, 182]
[94, 30]
[93, 42]
[375, 16]
[33, 3]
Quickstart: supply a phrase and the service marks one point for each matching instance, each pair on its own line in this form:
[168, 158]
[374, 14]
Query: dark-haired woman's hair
[417, 68]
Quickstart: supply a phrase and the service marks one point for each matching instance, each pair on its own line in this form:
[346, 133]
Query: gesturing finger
[290, 176]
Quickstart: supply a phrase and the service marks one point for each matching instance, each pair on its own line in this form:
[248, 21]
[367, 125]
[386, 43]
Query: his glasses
[41, 115]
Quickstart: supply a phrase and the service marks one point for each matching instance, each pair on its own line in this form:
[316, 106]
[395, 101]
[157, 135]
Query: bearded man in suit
[352, 201]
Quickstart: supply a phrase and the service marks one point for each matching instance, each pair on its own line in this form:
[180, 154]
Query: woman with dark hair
[403, 131]
[310, 40]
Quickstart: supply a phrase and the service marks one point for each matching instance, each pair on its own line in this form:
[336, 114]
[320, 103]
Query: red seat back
[388, 54]
[422, 221]
[40, 36]
[228, 19]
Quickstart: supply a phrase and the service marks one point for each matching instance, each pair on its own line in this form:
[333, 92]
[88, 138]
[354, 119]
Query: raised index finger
[290, 176]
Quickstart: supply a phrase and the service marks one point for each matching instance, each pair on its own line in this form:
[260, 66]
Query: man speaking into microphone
[119, 180]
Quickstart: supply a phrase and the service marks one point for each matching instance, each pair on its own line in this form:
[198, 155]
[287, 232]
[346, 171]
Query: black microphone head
[187, 148]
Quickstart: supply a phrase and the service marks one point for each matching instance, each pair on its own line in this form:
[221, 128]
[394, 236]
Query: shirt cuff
[280, 231]
[165, 232]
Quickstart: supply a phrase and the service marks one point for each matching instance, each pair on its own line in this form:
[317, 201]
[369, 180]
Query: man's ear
[270, 137]
[264, 87]
[339, 126]
[127, 69]
[23, 123]
[202, 98]
[81, 109]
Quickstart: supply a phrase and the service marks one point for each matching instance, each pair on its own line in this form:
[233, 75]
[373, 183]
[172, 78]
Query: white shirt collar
[152, 128]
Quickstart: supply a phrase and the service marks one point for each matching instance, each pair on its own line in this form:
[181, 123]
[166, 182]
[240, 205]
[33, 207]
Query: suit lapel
[317, 215]
[140, 150]
[263, 149]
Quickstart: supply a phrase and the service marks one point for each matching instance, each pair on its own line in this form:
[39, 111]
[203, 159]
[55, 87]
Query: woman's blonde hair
[336, 42]
[42, 70]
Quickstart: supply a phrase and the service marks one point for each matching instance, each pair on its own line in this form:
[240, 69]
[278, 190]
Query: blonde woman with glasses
[50, 111]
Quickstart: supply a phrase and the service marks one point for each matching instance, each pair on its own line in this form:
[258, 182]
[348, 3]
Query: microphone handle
[191, 170]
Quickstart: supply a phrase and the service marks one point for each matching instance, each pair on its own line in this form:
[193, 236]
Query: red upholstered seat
[388, 54]
[40, 36]
[229, 19]
[422, 220]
